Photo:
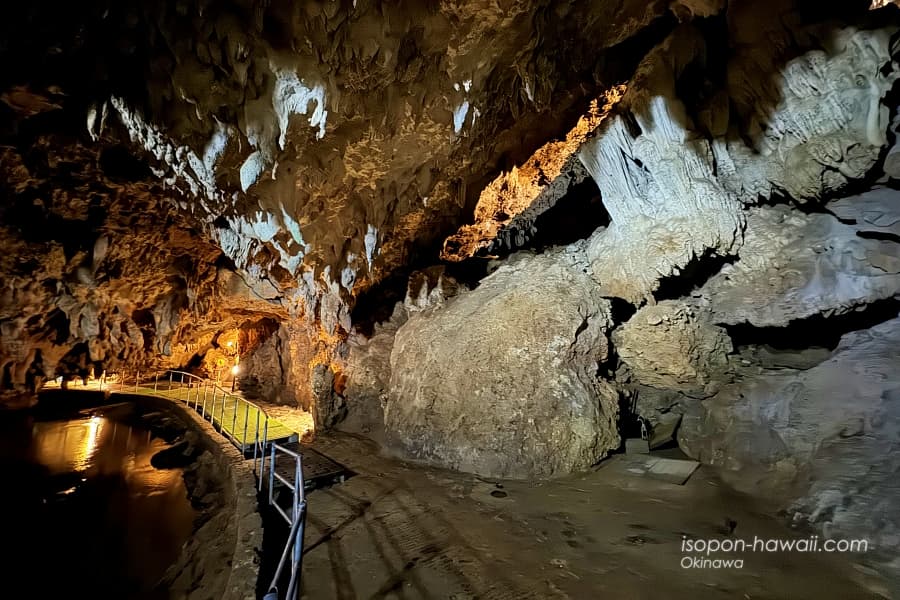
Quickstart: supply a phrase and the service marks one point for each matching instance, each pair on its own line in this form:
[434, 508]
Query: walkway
[404, 531]
[238, 419]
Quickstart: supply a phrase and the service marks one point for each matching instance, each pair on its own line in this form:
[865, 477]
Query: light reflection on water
[99, 446]
[83, 490]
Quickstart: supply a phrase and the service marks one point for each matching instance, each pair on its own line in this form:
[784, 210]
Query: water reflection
[83, 502]
[67, 445]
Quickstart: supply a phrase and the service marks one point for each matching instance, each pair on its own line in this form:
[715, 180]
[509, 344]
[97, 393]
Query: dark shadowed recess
[816, 331]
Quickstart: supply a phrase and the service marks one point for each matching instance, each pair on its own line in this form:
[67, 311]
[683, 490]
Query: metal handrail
[213, 403]
[297, 517]
[296, 520]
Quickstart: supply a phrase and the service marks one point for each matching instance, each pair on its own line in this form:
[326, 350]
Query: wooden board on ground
[670, 470]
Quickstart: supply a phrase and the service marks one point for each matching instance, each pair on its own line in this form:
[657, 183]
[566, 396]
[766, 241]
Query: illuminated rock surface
[466, 396]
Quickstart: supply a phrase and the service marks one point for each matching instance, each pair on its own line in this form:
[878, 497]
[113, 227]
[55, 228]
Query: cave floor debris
[400, 530]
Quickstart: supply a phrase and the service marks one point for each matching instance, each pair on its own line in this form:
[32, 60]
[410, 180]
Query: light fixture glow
[235, 370]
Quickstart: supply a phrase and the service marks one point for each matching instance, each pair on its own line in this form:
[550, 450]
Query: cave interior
[494, 243]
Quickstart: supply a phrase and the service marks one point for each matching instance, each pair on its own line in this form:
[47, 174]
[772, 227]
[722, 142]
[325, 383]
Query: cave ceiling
[203, 162]
[321, 145]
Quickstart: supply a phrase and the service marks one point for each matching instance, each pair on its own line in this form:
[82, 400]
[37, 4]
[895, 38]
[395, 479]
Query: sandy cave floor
[398, 530]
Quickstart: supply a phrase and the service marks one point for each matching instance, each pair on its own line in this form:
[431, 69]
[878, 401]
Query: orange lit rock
[513, 200]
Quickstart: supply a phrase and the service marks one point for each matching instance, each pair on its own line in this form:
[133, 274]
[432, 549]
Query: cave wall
[102, 271]
[87, 287]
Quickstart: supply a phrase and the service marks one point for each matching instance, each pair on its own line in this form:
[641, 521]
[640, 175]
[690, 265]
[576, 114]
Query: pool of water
[83, 512]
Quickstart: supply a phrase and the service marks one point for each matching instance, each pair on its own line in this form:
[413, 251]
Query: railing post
[272, 476]
[298, 480]
[256, 443]
[222, 414]
[155, 380]
[205, 391]
[137, 378]
[299, 515]
[246, 423]
[297, 571]
[262, 451]
[234, 419]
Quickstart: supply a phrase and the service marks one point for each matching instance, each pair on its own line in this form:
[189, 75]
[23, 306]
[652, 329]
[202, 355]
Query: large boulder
[502, 381]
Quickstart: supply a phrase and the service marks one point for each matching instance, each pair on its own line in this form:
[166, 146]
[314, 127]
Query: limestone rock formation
[329, 139]
[365, 198]
[508, 207]
[674, 346]
[828, 434]
[502, 381]
[666, 204]
[793, 266]
[82, 290]
[367, 372]
[428, 288]
[874, 214]
[265, 362]
[675, 177]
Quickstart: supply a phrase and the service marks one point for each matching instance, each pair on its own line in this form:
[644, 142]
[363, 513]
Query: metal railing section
[218, 406]
[242, 422]
[293, 548]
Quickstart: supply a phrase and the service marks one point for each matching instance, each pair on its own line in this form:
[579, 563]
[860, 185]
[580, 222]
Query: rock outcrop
[98, 274]
[367, 373]
[675, 177]
[467, 394]
[827, 435]
[674, 346]
[793, 266]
